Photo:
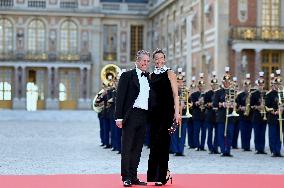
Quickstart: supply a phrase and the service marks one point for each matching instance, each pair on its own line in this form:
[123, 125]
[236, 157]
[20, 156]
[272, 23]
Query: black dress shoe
[247, 149]
[102, 145]
[258, 152]
[274, 155]
[158, 184]
[263, 152]
[113, 149]
[127, 183]
[217, 152]
[179, 154]
[138, 182]
[119, 152]
[279, 155]
[226, 155]
[107, 147]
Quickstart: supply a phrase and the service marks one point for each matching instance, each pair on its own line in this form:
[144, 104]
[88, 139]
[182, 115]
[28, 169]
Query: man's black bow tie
[144, 74]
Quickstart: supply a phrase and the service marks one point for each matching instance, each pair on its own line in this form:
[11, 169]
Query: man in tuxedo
[131, 114]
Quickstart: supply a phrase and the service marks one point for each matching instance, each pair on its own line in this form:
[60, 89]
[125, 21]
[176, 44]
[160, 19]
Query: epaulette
[254, 91]
[218, 89]
[239, 92]
[268, 91]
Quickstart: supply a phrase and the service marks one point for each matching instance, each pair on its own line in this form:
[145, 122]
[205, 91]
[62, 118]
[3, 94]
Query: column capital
[258, 50]
[238, 50]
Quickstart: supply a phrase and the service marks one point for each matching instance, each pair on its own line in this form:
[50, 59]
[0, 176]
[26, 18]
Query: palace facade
[52, 51]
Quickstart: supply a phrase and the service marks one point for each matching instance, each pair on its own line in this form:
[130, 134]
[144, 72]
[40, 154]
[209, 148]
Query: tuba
[107, 71]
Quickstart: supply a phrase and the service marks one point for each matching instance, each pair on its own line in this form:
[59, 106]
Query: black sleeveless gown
[161, 118]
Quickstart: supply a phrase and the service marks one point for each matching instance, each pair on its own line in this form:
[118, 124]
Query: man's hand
[118, 123]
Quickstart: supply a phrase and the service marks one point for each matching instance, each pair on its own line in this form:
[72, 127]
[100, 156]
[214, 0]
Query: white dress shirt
[143, 96]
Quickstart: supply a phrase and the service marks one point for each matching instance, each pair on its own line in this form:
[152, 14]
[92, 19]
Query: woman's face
[159, 60]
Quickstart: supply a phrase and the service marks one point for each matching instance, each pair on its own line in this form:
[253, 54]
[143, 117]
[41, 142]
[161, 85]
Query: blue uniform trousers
[259, 135]
[107, 129]
[236, 135]
[274, 138]
[101, 121]
[212, 142]
[190, 131]
[246, 129]
[176, 142]
[199, 127]
[113, 133]
[225, 143]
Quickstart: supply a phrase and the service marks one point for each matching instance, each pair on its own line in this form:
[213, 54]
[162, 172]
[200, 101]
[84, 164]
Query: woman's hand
[178, 118]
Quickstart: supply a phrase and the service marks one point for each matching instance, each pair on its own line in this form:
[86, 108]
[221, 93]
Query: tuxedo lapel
[135, 78]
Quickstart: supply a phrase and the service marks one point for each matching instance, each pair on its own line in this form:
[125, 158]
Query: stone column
[49, 83]
[52, 99]
[88, 84]
[81, 84]
[16, 83]
[257, 62]
[24, 83]
[188, 65]
[19, 101]
[238, 65]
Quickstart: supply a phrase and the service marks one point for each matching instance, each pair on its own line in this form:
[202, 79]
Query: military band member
[243, 106]
[101, 115]
[259, 118]
[224, 106]
[190, 128]
[178, 138]
[210, 116]
[273, 108]
[197, 99]
[109, 121]
[104, 117]
[236, 123]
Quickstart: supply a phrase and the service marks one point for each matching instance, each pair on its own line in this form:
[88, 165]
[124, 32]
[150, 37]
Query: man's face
[180, 83]
[143, 63]
[159, 60]
[201, 88]
[246, 87]
[261, 87]
[227, 83]
[215, 86]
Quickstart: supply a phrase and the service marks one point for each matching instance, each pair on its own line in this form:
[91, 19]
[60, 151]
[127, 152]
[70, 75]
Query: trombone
[280, 106]
[230, 98]
[184, 97]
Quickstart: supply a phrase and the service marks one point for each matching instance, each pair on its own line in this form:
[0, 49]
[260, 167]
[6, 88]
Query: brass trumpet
[280, 105]
[263, 108]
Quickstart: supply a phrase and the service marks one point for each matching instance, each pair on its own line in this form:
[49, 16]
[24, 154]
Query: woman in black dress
[164, 107]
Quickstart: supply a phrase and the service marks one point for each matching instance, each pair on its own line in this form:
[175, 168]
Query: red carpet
[113, 180]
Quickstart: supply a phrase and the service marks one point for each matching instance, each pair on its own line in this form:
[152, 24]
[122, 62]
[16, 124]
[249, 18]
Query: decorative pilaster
[257, 62]
[238, 65]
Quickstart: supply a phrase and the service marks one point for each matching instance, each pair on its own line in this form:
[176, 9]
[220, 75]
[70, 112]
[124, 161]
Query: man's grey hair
[140, 53]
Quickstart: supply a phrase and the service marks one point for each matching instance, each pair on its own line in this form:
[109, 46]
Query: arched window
[36, 36]
[6, 35]
[69, 37]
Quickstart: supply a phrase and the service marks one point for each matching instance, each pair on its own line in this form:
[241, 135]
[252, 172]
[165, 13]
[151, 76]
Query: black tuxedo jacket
[127, 92]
